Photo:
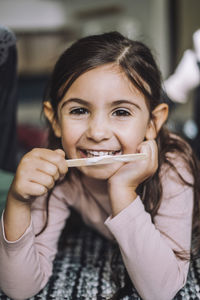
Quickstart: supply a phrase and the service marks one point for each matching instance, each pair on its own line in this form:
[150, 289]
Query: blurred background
[44, 28]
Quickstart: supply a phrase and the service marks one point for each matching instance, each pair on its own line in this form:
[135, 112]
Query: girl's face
[102, 114]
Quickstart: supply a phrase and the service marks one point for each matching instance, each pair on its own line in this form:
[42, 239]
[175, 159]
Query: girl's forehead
[108, 78]
[104, 86]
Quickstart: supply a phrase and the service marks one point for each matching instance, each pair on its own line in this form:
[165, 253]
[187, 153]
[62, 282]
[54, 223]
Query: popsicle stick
[106, 159]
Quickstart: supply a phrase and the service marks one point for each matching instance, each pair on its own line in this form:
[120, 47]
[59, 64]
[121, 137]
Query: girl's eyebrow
[119, 102]
[86, 103]
[77, 100]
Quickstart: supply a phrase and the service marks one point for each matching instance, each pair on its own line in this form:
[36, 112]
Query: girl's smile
[102, 114]
[95, 152]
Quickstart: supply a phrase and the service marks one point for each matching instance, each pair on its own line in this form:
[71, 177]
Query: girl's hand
[123, 183]
[36, 174]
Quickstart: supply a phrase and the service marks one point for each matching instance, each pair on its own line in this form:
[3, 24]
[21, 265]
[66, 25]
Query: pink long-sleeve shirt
[148, 249]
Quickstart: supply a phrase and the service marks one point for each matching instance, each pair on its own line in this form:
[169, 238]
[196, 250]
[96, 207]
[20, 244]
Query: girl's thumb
[60, 151]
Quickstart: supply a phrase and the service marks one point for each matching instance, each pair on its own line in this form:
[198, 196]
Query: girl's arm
[36, 174]
[149, 250]
[26, 261]
[26, 264]
[123, 184]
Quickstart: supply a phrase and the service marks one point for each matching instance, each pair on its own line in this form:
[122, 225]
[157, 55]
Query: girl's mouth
[97, 153]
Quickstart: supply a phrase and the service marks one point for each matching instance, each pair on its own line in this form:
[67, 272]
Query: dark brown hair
[138, 64]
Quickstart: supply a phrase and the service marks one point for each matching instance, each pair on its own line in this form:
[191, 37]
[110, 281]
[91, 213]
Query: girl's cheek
[131, 139]
[70, 131]
[70, 137]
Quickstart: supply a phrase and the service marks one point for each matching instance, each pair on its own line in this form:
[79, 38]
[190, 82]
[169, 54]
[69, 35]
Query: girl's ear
[49, 113]
[159, 116]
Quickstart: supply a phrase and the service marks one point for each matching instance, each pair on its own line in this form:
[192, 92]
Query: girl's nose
[98, 130]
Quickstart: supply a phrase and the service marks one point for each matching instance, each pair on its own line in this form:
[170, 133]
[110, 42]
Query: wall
[44, 28]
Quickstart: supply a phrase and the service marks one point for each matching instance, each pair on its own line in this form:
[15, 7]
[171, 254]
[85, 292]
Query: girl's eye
[79, 111]
[121, 113]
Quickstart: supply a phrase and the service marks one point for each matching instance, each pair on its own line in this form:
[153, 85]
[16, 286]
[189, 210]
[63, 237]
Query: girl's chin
[102, 172]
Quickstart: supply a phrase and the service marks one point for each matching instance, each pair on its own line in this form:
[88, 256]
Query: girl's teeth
[100, 153]
[103, 153]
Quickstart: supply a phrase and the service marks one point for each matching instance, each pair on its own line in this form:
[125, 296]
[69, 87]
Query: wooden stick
[106, 159]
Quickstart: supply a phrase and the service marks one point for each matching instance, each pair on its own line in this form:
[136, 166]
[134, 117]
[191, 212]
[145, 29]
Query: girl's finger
[61, 152]
[36, 189]
[56, 157]
[150, 148]
[62, 164]
[42, 179]
[32, 189]
[154, 154]
[48, 168]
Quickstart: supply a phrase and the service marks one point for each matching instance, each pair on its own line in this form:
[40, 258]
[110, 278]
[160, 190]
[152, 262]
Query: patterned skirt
[82, 270]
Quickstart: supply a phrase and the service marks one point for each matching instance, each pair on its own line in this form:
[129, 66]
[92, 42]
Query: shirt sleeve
[149, 249]
[26, 264]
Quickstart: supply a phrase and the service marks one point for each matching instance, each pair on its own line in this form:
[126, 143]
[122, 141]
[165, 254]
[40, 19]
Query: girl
[104, 99]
